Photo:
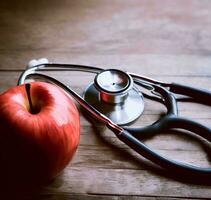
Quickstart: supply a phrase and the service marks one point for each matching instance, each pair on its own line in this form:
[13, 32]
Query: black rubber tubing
[170, 121]
[201, 95]
[166, 163]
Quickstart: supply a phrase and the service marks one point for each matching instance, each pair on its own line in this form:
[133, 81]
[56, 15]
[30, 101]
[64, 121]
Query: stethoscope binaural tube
[130, 136]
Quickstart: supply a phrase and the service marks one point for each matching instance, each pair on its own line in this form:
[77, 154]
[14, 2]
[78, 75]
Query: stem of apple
[28, 87]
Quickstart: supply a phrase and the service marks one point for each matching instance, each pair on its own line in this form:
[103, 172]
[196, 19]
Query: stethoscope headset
[114, 99]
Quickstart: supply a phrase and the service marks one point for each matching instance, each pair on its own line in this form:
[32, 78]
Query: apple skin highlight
[37, 146]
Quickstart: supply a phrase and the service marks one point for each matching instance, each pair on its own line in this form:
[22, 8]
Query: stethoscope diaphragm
[114, 95]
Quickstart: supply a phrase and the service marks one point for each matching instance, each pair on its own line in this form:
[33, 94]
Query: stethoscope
[114, 99]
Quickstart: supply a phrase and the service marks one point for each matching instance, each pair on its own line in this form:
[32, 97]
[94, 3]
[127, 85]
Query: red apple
[38, 138]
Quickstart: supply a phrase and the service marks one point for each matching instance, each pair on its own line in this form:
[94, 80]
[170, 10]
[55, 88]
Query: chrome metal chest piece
[114, 95]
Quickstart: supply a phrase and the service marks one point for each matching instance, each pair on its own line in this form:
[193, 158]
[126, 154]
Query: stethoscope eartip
[36, 62]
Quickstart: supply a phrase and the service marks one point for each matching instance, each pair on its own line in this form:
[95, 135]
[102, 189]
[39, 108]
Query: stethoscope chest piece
[113, 94]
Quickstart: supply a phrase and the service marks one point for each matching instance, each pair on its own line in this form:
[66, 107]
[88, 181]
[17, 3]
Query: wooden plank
[123, 182]
[142, 36]
[111, 157]
[72, 78]
[146, 64]
[127, 27]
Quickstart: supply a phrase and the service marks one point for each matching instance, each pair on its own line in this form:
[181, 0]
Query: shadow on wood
[129, 154]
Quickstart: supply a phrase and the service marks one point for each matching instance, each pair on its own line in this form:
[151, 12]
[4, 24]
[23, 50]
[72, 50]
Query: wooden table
[167, 40]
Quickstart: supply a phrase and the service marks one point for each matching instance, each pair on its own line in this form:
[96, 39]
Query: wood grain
[120, 26]
[166, 40]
